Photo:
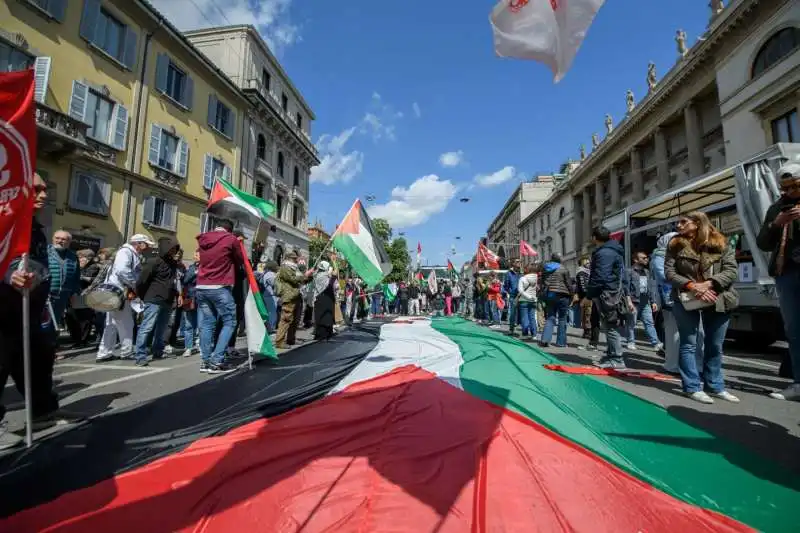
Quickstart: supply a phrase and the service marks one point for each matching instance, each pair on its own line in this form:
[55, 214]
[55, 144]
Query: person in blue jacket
[511, 294]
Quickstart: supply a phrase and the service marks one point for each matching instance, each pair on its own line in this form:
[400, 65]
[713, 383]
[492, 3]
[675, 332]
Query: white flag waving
[549, 31]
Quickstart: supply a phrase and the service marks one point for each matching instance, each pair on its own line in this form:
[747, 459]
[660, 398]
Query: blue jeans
[155, 319]
[189, 328]
[271, 303]
[556, 313]
[377, 304]
[788, 288]
[527, 315]
[214, 304]
[715, 325]
[644, 313]
[493, 312]
[513, 312]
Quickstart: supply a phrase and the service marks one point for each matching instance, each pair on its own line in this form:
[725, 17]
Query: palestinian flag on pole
[390, 291]
[226, 201]
[451, 427]
[363, 249]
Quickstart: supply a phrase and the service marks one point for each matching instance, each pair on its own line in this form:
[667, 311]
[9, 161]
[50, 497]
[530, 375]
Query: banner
[17, 160]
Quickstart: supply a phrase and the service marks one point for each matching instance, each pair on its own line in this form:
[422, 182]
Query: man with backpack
[122, 272]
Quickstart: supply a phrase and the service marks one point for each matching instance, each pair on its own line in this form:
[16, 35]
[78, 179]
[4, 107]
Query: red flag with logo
[487, 257]
[17, 156]
[526, 250]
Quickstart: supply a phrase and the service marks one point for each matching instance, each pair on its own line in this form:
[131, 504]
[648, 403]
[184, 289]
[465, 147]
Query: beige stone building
[696, 114]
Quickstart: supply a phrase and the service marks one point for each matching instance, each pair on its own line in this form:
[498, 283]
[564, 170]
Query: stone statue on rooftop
[716, 7]
[630, 101]
[652, 80]
[583, 152]
[680, 38]
[609, 124]
[595, 141]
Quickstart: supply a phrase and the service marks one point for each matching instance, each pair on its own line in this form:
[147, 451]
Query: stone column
[694, 140]
[662, 159]
[599, 202]
[577, 221]
[613, 189]
[587, 218]
[636, 175]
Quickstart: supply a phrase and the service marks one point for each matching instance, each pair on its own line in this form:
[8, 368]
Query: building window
[785, 128]
[541, 225]
[173, 82]
[160, 213]
[266, 80]
[284, 102]
[296, 215]
[261, 147]
[12, 58]
[54, 9]
[296, 179]
[90, 193]
[107, 120]
[168, 151]
[562, 234]
[279, 206]
[299, 121]
[108, 33]
[548, 220]
[220, 117]
[776, 48]
[260, 190]
[562, 213]
[214, 168]
[281, 164]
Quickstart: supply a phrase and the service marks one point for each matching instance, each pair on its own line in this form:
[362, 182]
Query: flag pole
[26, 354]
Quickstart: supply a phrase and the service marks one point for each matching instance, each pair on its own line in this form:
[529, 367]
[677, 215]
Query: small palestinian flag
[357, 241]
[226, 201]
[450, 267]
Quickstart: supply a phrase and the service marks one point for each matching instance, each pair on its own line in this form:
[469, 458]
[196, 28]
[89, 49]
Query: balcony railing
[58, 133]
[275, 102]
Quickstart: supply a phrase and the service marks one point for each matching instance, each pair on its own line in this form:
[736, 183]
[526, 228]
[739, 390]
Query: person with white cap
[780, 234]
[123, 274]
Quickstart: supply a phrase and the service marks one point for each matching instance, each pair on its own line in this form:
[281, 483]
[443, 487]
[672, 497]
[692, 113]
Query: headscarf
[322, 278]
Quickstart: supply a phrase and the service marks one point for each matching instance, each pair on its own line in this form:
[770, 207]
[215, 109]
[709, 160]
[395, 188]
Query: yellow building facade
[133, 123]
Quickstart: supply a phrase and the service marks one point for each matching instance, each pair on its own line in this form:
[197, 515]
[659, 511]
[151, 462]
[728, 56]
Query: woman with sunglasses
[780, 235]
[702, 268]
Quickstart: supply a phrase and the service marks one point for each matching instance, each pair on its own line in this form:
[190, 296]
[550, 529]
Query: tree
[398, 253]
[315, 248]
[383, 229]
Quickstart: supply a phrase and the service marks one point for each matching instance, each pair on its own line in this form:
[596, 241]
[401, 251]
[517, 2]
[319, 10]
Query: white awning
[698, 195]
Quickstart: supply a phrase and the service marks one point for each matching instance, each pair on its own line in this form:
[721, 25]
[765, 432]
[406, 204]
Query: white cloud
[379, 121]
[415, 204]
[451, 159]
[337, 165]
[501, 176]
[270, 17]
[416, 109]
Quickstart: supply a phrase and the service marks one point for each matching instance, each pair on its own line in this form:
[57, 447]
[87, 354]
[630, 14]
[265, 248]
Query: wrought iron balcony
[268, 97]
[58, 133]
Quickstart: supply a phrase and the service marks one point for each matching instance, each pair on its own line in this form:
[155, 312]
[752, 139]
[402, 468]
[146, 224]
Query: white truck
[736, 199]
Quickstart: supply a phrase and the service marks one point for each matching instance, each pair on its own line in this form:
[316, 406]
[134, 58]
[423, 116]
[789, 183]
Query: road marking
[752, 362]
[147, 371]
[99, 366]
[75, 372]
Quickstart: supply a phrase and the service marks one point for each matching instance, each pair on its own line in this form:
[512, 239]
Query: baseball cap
[789, 169]
[141, 238]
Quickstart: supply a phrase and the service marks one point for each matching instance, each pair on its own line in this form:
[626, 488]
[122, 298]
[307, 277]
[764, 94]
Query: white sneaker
[188, 353]
[659, 347]
[792, 392]
[701, 397]
[168, 349]
[632, 346]
[725, 395]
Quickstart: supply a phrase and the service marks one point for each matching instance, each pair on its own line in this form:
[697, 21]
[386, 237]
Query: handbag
[690, 302]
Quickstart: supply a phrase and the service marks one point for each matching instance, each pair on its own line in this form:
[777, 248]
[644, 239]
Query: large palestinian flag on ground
[356, 240]
[414, 426]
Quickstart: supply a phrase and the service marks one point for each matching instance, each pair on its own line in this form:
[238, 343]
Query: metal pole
[26, 354]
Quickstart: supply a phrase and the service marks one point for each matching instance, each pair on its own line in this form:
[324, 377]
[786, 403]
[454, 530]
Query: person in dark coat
[324, 300]
[558, 295]
[157, 289]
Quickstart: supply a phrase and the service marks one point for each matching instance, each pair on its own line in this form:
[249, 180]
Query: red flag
[17, 156]
[487, 257]
[526, 250]
[419, 248]
[450, 266]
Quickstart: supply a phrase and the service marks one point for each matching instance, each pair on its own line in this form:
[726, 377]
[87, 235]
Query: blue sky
[395, 85]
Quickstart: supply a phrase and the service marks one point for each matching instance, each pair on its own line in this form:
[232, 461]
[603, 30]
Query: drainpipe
[137, 113]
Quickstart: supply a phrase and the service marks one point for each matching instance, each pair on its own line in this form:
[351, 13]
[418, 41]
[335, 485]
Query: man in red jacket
[220, 258]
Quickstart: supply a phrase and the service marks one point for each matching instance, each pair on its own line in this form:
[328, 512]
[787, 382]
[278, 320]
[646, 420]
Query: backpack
[100, 278]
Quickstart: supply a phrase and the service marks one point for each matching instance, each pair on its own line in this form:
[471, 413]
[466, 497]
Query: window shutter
[41, 74]
[57, 9]
[155, 144]
[187, 98]
[170, 210]
[231, 123]
[212, 109]
[162, 66]
[91, 12]
[203, 222]
[120, 122]
[129, 55]
[77, 102]
[183, 157]
[105, 187]
[226, 173]
[208, 169]
[149, 210]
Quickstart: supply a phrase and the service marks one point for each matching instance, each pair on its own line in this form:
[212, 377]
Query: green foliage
[382, 228]
[398, 253]
[315, 248]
